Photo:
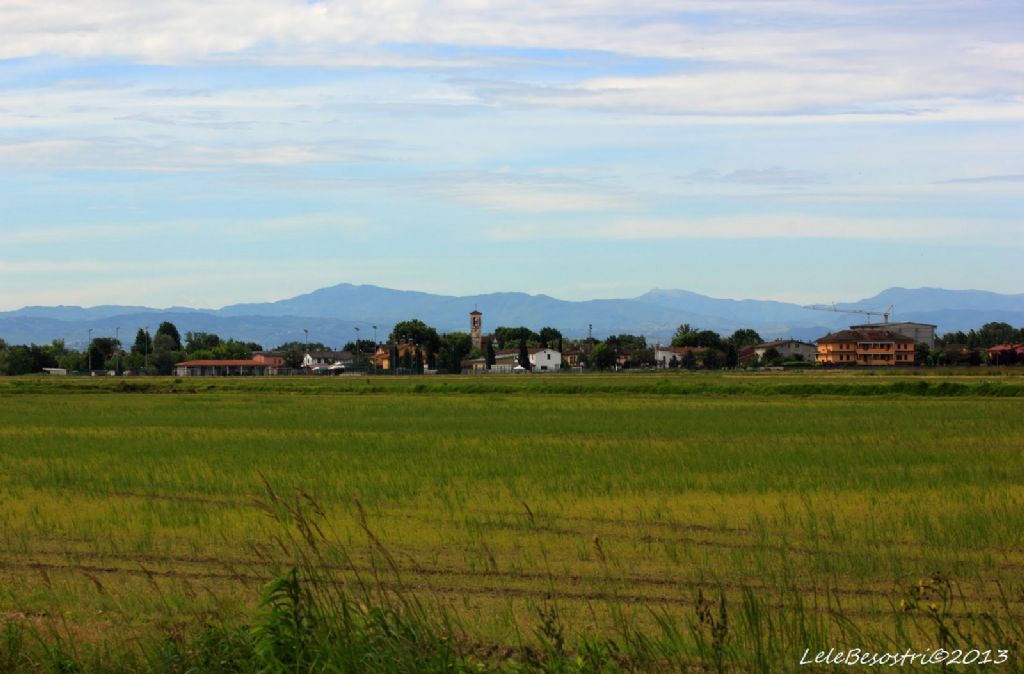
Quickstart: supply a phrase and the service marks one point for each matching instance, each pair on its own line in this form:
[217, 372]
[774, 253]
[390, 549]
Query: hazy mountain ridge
[332, 314]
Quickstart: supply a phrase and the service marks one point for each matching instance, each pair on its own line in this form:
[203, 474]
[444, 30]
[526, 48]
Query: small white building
[507, 360]
[665, 356]
[325, 359]
[545, 360]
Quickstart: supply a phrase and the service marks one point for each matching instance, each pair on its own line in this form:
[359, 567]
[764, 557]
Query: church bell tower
[475, 329]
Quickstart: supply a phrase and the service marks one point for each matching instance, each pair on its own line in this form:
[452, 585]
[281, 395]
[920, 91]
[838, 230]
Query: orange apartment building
[866, 347]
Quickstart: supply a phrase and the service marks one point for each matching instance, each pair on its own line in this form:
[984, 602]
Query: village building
[381, 358]
[672, 356]
[1006, 354]
[866, 347]
[223, 368]
[271, 358]
[919, 332]
[324, 361]
[788, 349]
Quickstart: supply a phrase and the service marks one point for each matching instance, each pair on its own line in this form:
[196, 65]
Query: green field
[536, 521]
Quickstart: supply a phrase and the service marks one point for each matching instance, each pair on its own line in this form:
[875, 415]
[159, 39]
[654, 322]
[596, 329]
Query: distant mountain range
[332, 314]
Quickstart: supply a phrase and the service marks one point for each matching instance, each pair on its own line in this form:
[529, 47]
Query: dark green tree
[101, 351]
[688, 336]
[419, 333]
[524, 354]
[712, 359]
[169, 329]
[142, 342]
[732, 356]
[548, 336]
[200, 341]
[745, 337]
[992, 334]
[506, 336]
[921, 353]
[491, 358]
[455, 346]
[689, 360]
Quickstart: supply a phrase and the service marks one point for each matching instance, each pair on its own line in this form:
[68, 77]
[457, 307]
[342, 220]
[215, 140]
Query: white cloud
[768, 226]
[532, 193]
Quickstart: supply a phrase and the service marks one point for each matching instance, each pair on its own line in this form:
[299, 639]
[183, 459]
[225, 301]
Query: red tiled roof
[864, 336]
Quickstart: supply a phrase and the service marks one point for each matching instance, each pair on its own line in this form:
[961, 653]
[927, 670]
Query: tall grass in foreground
[322, 614]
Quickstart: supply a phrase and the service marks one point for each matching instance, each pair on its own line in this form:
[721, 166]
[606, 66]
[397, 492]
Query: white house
[545, 360]
[325, 359]
[507, 360]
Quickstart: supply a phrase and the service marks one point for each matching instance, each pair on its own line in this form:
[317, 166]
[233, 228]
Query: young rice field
[711, 522]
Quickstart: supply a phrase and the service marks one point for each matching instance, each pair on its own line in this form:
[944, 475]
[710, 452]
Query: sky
[203, 153]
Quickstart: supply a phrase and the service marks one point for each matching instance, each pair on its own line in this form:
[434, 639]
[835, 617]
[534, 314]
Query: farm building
[223, 368]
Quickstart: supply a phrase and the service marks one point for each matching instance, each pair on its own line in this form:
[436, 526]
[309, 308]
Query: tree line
[426, 348]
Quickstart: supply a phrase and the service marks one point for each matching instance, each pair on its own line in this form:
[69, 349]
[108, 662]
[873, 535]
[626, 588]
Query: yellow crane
[833, 307]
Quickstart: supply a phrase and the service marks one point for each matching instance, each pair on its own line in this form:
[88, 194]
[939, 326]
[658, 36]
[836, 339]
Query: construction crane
[869, 314]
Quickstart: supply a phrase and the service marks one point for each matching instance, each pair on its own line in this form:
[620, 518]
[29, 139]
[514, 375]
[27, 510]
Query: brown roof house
[866, 347]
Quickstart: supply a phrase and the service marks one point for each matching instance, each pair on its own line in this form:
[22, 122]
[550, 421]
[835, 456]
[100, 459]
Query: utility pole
[375, 335]
[145, 358]
[117, 346]
[306, 347]
[89, 350]
[590, 344]
[357, 346]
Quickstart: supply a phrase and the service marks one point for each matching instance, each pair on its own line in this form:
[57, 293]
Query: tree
[603, 356]
[102, 350]
[455, 346]
[548, 336]
[627, 342]
[732, 356]
[491, 358]
[524, 354]
[772, 357]
[365, 346]
[992, 334]
[921, 353]
[505, 336]
[712, 359]
[200, 341]
[688, 336]
[142, 342]
[745, 337]
[689, 360]
[169, 329]
[418, 332]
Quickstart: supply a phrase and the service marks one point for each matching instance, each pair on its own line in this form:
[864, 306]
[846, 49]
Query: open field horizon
[131, 510]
